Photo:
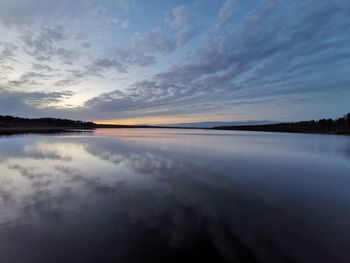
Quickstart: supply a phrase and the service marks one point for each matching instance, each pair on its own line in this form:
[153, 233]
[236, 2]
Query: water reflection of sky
[174, 196]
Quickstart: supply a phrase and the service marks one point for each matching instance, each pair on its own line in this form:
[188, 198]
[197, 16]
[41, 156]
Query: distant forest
[338, 126]
[10, 121]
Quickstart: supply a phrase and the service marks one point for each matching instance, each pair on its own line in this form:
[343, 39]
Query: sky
[173, 61]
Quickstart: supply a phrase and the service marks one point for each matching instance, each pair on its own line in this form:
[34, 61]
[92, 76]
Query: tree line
[337, 126]
[10, 121]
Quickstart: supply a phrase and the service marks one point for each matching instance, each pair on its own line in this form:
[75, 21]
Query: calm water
[174, 196]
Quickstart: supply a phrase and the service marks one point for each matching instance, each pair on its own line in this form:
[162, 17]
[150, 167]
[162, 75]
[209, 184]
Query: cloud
[48, 44]
[7, 55]
[47, 50]
[31, 103]
[183, 21]
[66, 82]
[21, 13]
[42, 67]
[260, 44]
[267, 58]
[226, 12]
[125, 4]
[29, 78]
[122, 59]
[153, 41]
[276, 51]
[7, 51]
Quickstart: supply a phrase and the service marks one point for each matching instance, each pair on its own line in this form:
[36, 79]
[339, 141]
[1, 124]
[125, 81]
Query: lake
[173, 195]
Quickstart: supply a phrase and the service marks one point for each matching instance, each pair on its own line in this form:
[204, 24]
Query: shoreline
[277, 131]
[50, 130]
[39, 130]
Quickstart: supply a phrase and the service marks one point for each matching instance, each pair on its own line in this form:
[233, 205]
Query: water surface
[144, 195]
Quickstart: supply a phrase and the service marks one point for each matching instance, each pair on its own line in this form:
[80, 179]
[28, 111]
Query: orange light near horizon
[161, 120]
[147, 121]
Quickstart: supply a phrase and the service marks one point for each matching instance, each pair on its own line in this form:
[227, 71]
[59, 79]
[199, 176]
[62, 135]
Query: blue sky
[129, 61]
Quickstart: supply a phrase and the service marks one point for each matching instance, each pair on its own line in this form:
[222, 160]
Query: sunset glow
[164, 62]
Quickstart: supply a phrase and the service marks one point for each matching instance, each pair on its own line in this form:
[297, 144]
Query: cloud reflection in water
[119, 198]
